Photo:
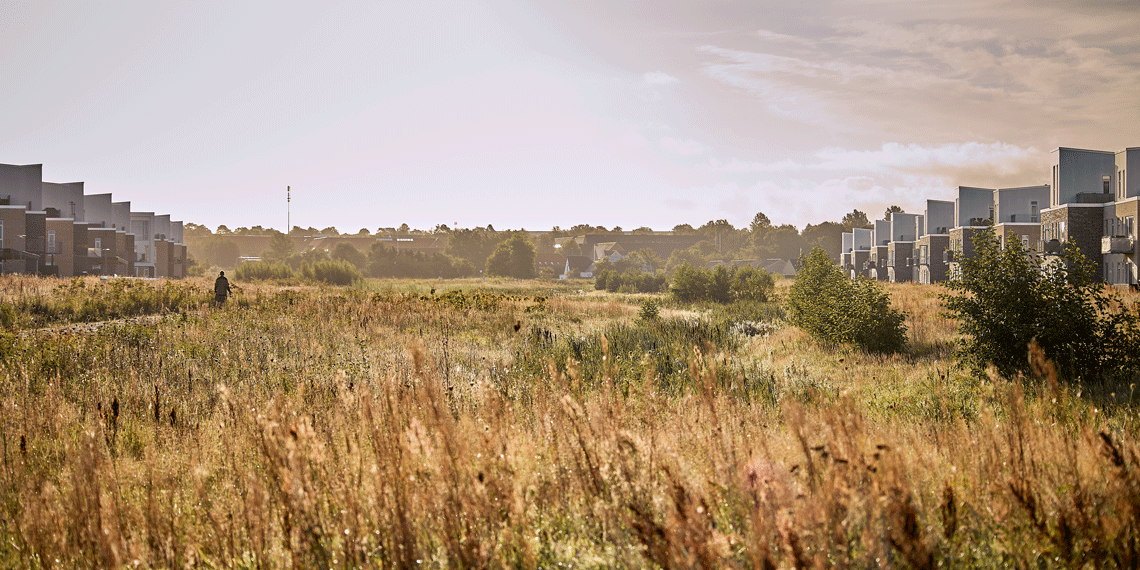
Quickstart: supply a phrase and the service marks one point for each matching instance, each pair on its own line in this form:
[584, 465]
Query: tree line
[468, 250]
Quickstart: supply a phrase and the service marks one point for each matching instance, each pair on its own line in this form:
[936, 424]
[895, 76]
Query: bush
[333, 272]
[832, 308]
[721, 285]
[513, 257]
[616, 281]
[1005, 298]
[262, 271]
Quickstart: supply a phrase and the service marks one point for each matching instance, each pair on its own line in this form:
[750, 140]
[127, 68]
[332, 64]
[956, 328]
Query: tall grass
[332, 427]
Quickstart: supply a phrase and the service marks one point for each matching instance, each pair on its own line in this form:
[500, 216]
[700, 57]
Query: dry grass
[385, 428]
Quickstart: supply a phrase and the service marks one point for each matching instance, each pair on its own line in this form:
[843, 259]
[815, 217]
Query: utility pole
[288, 210]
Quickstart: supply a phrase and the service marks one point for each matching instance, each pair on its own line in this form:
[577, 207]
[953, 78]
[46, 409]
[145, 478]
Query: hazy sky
[535, 114]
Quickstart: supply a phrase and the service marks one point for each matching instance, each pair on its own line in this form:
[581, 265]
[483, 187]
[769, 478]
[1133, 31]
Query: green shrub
[832, 308]
[1005, 298]
[616, 281]
[513, 257]
[262, 271]
[334, 272]
[721, 285]
[650, 311]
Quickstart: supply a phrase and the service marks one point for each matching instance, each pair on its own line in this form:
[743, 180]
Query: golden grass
[343, 428]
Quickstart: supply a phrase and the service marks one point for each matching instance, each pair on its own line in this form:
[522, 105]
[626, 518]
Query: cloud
[685, 147]
[659, 78]
[998, 158]
[1015, 74]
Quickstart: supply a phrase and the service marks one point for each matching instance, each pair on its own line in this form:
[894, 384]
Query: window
[1107, 183]
[98, 243]
[51, 241]
[1056, 190]
[1033, 211]
[1, 234]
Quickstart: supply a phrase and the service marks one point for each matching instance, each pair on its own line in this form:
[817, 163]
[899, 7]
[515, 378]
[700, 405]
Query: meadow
[532, 424]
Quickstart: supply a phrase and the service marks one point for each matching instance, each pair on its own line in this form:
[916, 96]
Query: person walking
[221, 289]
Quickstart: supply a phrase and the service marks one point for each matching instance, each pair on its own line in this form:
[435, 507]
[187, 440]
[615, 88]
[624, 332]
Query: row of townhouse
[48, 228]
[1091, 202]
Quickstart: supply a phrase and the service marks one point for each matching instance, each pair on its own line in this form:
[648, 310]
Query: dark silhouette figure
[221, 289]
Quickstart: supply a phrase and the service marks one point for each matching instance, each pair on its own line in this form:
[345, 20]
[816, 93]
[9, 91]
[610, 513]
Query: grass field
[466, 424]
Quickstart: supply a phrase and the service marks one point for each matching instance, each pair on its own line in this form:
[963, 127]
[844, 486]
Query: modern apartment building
[973, 212]
[1118, 240]
[52, 228]
[900, 249]
[877, 264]
[1083, 182]
[932, 244]
[856, 251]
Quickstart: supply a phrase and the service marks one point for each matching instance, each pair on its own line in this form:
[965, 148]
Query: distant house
[549, 261]
[612, 251]
[577, 267]
[662, 245]
[778, 267]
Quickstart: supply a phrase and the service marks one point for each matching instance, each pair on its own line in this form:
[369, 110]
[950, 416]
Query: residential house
[877, 262]
[1118, 242]
[1017, 214]
[938, 218]
[1083, 182]
[973, 212]
[900, 249]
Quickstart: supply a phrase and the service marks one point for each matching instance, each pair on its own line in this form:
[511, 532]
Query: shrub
[615, 281]
[721, 285]
[262, 271]
[334, 272]
[1005, 298]
[513, 257]
[832, 308]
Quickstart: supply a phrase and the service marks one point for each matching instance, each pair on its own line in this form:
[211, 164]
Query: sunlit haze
[540, 114]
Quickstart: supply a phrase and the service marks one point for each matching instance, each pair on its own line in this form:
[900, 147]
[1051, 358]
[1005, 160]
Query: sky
[539, 114]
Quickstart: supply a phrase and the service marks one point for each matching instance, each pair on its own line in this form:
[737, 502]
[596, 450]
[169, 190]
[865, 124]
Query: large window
[51, 241]
[1, 234]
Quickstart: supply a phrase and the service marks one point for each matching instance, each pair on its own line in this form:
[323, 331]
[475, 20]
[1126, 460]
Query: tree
[826, 235]
[684, 230]
[647, 259]
[280, 247]
[570, 247]
[474, 245]
[222, 230]
[220, 251]
[891, 210]
[832, 308]
[855, 219]
[751, 284]
[642, 231]
[513, 257]
[720, 285]
[680, 257]
[760, 222]
[345, 252]
[1006, 298]
[721, 233]
[191, 229]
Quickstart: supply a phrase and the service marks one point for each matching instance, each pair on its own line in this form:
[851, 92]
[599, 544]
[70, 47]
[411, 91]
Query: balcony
[1049, 247]
[1094, 198]
[1116, 244]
